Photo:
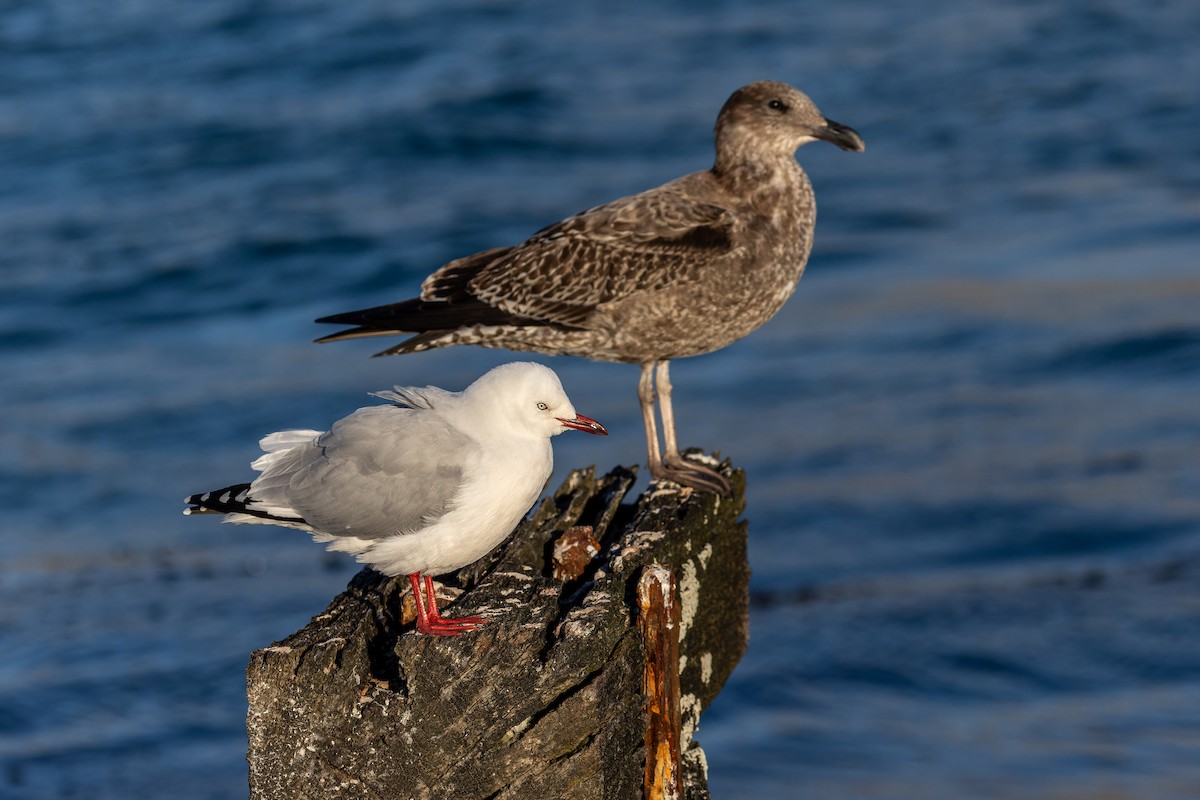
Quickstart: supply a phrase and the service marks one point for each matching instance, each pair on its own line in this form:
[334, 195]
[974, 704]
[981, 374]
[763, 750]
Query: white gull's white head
[420, 487]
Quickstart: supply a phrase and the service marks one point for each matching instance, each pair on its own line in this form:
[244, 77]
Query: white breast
[499, 487]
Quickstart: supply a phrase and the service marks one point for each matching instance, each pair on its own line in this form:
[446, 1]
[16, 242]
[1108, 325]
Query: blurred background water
[971, 437]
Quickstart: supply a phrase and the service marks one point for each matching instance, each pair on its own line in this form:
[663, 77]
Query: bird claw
[451, 626]
[694, 476]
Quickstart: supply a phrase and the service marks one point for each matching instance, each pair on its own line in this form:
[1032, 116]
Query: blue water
[971, 437]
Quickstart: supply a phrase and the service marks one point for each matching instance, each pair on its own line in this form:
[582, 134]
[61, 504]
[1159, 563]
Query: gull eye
[778, 105]
[543, 407]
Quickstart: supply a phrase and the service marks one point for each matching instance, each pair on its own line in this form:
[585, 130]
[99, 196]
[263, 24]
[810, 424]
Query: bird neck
[761, 177]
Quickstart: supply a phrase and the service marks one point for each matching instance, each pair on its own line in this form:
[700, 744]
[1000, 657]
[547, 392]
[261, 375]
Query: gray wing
[379, 472]
[644, 242]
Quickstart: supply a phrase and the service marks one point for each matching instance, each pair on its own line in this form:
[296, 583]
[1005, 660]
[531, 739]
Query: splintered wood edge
[658, 621]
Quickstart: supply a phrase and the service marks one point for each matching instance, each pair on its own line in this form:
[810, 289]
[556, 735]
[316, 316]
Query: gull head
[773, 118]
[528, 398]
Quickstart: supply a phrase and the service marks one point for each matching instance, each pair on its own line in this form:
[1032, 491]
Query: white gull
[420, 487]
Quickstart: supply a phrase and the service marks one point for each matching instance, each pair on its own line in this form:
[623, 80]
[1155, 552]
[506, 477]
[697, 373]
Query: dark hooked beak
[843, 136]
[585, 424]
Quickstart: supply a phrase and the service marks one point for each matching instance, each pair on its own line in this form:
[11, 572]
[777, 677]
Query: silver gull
[420, 487]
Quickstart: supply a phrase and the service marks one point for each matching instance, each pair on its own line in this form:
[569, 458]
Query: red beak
[585, 424]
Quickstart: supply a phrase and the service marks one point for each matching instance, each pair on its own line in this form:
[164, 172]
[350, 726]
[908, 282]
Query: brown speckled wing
[644, 242]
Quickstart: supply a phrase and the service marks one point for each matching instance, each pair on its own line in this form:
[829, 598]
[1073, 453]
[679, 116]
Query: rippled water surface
[971, 437]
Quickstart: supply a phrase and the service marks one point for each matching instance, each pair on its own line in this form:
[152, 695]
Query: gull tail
[235, 501]
[434, 322]
[446, 303]
[395, 319]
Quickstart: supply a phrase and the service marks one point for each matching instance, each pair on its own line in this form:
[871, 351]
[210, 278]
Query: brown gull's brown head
[772, 118]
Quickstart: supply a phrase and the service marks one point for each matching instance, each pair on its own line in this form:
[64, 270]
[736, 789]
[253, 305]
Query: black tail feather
[419, 316]
[231, 500]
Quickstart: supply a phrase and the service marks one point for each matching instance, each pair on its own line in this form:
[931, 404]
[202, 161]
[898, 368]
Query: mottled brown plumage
[683, 269]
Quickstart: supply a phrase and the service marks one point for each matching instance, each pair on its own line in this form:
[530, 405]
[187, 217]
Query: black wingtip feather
[420, 316]
[353, 333]
[231, 500]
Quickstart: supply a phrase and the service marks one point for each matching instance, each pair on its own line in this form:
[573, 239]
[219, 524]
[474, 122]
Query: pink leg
[675, 466]
[429, 620]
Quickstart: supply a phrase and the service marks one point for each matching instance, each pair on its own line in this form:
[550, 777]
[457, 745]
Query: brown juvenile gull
[680, 270]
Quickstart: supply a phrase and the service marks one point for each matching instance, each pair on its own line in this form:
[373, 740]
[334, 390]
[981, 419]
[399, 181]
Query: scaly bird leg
[678, 468]
[646, 398]
[429, 620]
[447, 626]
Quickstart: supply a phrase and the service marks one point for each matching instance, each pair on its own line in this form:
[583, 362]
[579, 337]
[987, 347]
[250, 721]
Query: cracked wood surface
[545, 701]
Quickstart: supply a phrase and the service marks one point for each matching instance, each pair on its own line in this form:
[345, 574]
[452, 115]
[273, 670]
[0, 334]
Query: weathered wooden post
[588, 683]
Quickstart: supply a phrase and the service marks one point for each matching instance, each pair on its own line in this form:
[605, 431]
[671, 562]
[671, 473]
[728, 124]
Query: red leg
[429, 620]
[414, 580]
[435, 617]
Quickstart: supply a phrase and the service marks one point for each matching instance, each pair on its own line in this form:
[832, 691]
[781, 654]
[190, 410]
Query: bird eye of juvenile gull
[421, 487]
[679, 270]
